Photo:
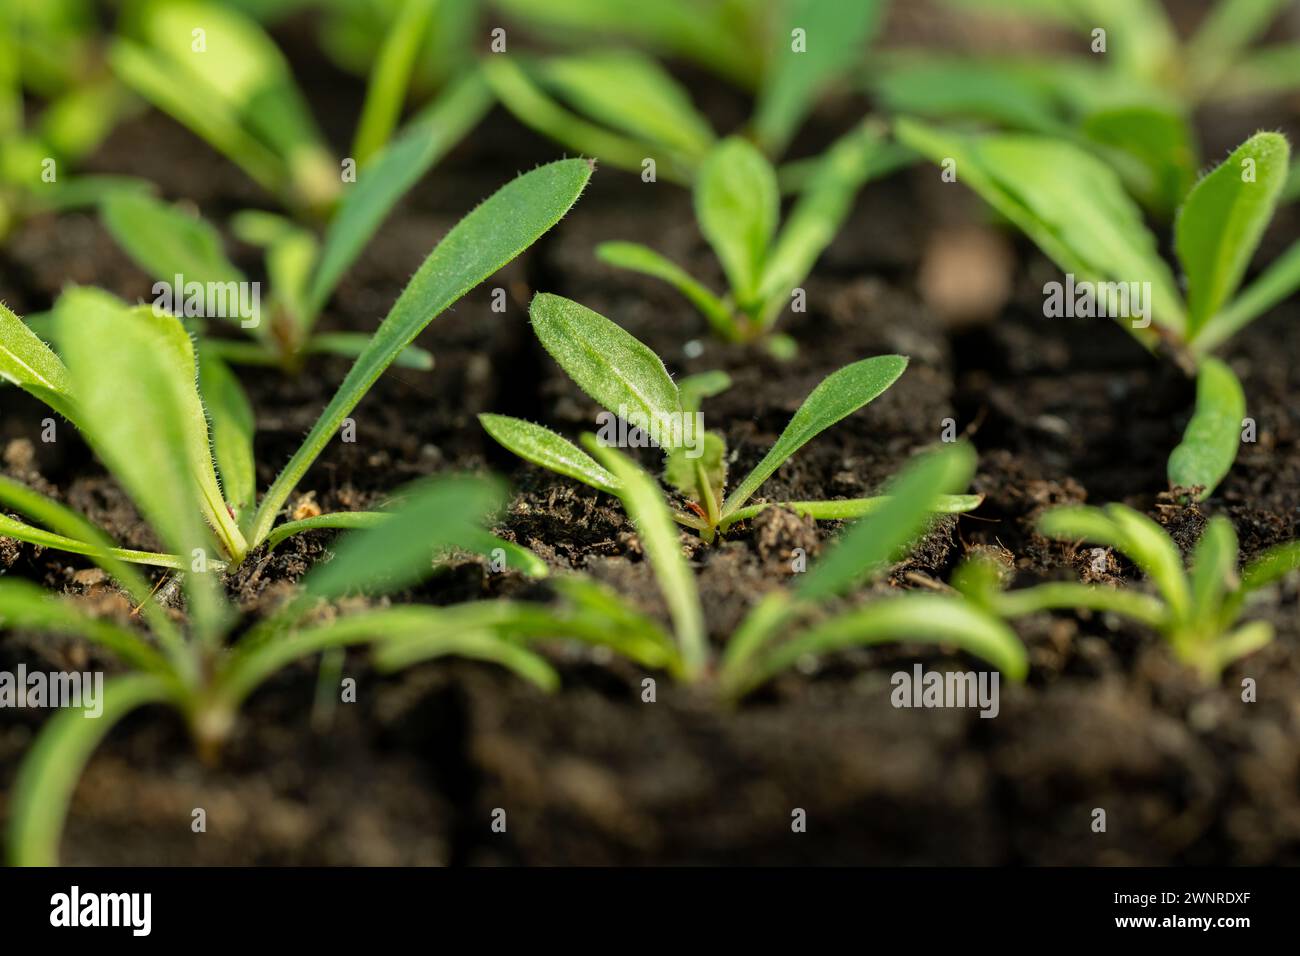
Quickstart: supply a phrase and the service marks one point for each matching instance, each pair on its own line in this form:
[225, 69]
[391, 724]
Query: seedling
[1197, 611]
[737, 204]
[623, 108]
[1073, 207]
[626, 378]
[183, 251]
[785, 627]
[125, 377]
[194, 671]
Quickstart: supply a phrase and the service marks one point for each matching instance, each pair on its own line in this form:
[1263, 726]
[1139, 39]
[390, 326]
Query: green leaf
[480, 646]
[631, 92]
[237, 92]
[48, 776]
[480, 244]
[644, 503]
[1223, 219]
[389, 176]
[27, 605]
[819, 214]
[352, 344]
[432, 516]
[623, 375]
[693, 389]
[390, 77]
[1213, 434]
[1224, 32]
[166, 242]
[1273, 565]
[133, 374]
[1214, 569]
[835, 35]
[523, 97]
[30, 364]
[639, 258]
[1278, 281]
[945, 87]
[1067, 201]
[1145, 609]
[737, 203]
[1151, 147]
[839, 395]
[922, 618]
[232, 432]
[843, 509]
[707, 470]
[543, 447]
[883, 535]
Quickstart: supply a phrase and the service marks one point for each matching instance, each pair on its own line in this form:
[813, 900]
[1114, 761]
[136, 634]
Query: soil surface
[413, 772]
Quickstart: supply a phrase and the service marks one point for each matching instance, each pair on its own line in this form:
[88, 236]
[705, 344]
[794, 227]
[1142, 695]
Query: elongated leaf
[631, 92]
[432, 516]
[27, 605]
[1278, 281]
[817, 217]
[623, 375]
[946, 87]
[543, 447]
[481, 646]
[166, 242]
[839, 395]
[232, 432]
[1067, 201]
[923, 618]
[366, 204]
[30, 364]
[1213, 435]
[1145, 609]
[134, 378]
[530, 104]
[659, 537]
[737, 203]
[1273, 565]
[1214, 568]
[639, 258]
[480, 244]
[843, 509]
[48, 776]
[1223, 219]
[390, 77]
[881, 536]
[352, 344]
[831, 38]
[1151, 148]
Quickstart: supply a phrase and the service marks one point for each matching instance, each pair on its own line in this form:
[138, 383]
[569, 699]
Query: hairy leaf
[1213, 434]
[840, 394]
[543, 447]
[30, 364]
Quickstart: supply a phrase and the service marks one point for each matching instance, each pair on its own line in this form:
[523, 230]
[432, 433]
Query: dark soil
[412, 774]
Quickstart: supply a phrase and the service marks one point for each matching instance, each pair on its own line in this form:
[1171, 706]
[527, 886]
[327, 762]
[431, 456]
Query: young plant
[1073, 207]
[183, 251]
[193, 670]
[737, 204]
[1197, 611]
[786, 626]
[623, 108]
[126, 376]
[628, 380]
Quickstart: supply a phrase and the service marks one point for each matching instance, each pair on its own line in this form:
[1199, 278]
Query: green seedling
[785, 627]
[1072, 206]
[737, 205]
[49, 53]
[215, 70]
[1197, 610]
[194, 669]
[623, 108]
[627, 379]
[126, 378]
[183, 251]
